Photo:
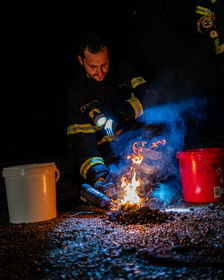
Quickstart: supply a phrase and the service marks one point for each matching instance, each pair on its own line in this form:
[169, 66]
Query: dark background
[40, 41]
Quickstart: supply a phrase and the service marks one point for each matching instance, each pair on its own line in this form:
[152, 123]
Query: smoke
[165, 193]
[178, 120]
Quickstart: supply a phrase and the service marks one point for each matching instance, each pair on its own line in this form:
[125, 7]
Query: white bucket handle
[57, 175]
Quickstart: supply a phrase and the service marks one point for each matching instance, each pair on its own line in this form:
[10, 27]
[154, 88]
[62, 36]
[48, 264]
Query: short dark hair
[93, 42]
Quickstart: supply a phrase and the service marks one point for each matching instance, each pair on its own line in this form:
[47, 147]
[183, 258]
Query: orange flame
[130, 194]
[130, 187]
[137, 156]
[155, 144]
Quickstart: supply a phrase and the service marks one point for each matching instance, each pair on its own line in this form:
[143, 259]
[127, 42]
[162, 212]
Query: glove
[99, 184]
[109, 127]
[104, 187]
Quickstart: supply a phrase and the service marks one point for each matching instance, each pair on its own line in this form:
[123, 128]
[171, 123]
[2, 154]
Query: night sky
[40, 40]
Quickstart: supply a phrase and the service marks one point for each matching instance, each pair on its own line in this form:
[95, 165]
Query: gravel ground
[83, 242]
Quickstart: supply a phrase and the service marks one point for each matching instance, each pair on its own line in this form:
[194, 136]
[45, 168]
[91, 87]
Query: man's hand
[104, 187]
[99, 184]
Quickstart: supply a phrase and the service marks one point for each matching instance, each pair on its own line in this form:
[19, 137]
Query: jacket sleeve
[82, 143]
[131, 94]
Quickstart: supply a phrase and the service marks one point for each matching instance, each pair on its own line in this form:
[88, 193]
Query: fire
[155, 144]
[136, 159]
[130, 194]
[129, 182]
[137, 156]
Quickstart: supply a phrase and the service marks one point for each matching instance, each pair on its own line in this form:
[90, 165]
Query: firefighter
[104, 98]
[210, 22]
[210, 25]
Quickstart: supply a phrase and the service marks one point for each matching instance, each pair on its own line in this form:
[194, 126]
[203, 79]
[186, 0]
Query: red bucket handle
[218, 171]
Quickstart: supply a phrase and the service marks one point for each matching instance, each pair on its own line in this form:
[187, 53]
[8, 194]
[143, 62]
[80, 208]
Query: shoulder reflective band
[203, 11]
[88, 163]
[212, 1]
[137, 106]
[137, 81]
[80, 128]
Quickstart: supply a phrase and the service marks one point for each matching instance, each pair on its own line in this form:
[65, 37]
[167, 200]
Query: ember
[133, 214]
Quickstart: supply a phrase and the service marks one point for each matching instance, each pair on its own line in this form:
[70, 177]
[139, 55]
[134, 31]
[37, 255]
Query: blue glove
[104, 187]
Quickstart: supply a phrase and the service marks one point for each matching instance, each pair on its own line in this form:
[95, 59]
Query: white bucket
[31, 192]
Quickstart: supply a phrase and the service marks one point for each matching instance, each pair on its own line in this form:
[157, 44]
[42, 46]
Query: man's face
[96, 65]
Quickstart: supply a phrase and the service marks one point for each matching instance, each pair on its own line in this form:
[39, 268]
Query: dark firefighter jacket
[210, 22]
[117, 97]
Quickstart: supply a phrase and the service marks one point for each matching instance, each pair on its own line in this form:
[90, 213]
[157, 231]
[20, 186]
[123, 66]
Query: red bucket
[202, 174]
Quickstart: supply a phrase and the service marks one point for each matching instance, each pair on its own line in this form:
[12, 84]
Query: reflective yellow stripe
[137, 81]
[217, 42]
[199, 25]
[137, 106]
[95, 110]
[88, 163]
[219, 49]
[203, 11]
[213, 1]
[77, 128]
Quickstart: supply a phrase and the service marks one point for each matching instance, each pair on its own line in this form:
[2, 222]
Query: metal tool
[95, 197]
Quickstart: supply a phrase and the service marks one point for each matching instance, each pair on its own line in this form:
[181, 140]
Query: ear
[80, 60]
